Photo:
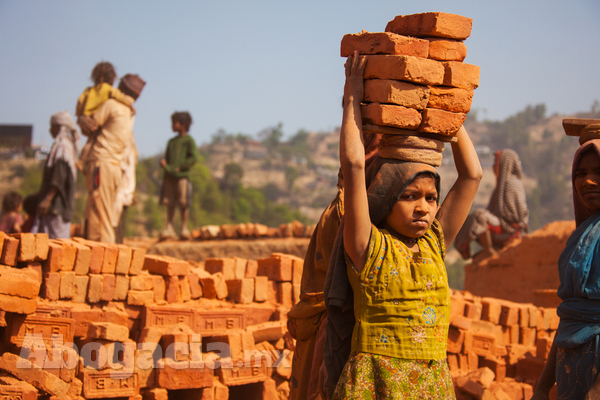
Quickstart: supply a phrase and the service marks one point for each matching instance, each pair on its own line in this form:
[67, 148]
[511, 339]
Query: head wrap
[134, 84]
[66, 144]
[581, 211]
[507, 201]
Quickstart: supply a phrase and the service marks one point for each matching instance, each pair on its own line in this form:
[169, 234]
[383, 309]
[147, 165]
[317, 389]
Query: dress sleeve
[436, 229]
[375, 254]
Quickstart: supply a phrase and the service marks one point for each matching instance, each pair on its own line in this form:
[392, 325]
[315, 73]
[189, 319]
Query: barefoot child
[394, 240]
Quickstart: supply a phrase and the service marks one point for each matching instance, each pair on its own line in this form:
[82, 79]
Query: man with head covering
[110, 129]
[56, 194]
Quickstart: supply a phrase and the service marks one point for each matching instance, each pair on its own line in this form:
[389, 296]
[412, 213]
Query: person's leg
[185, 233]
[485, 239]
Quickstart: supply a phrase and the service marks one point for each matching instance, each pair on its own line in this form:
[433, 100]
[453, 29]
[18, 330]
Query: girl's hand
[355, 69]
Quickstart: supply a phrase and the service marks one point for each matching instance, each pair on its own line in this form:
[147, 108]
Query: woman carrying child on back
[394, 237]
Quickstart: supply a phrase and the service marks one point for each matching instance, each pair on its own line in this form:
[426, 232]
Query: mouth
[420, 222]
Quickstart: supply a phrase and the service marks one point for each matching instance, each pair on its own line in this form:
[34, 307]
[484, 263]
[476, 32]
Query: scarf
[66, 144]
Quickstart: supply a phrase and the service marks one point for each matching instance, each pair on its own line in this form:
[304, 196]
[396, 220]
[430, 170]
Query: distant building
[16, 136]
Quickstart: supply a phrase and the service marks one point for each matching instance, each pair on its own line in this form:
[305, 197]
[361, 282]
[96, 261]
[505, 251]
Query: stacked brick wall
[251, 231]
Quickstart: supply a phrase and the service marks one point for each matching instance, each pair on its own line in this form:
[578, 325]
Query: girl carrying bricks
[574, 359]
[391, 246]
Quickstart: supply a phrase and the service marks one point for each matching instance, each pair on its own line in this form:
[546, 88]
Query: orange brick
[67, 284]
[530, 369]
[383, 43]
[69, 254]
[447, 50]
[251, 269]
[473, 310]
[523, 316]
[240, 290]
[97, 257]
[261, 288]
[533, 317]
[517, 352]
[543, 346]
[95, 288]
[491, 310]
[396, 92]
[51, 286]
[434, 24]
[83, 258]
[527, 336]
[481, 343]
[19, 282]
[455, 100]
[277, 269]
[172, 294]
[159, 288]
[240, 268]
[124, 255]
[441, 122]
[405, 68]
[390, 115]
[224, 265]
[509, 315]
[167, 266]
[453, 363]
[111, 253]
[284, 294]
[2, 237]
[297, 268]
[137, 260]
[457, 307]
[26, 251]
[456, 338]
[108, 287]
[461, 322]
[10, 251]
[41, 246]
[461, 75]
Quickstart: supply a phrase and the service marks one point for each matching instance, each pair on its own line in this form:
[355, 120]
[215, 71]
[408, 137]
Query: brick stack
[497, 345]
[252, 231]
[417, 90]
[83, 319]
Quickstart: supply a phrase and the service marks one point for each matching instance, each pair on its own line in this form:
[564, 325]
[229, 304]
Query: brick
[543, 346]
[470, 386]
[383, 43]
[159, 288]
[237, 343]
[530, 369]
[461, 75]
[447, 49]
[166, 316]
[166, 266]
[241, 374]
[240, 267]
[523, 316]
[517, 352]
[473, 310]
[251, 269]
[13, 388]
[108, 331]
[10, 251]
[268, 331]
[272, 292]
[80, 286]
[297, 268]
[480, 343]
[434, 24]
[18, 282]
[491, 310]
[67, 284]
[224, 265]
[50, 288]
[461, 322]
[453, 363]
[509, 315]
[83, 258]
[26, 371]
[527, 336]
[209, 322]
[455, 100]
[69, 254]
[195, 285]
[156, 394]
[284, 294]
[497, 366]
[41, 246]
[111, 253]
[97, 256]
[95, 288]
[51, 330]
[184, 289]
[260, 288]
[296, 291]
[175, 346]
[137, 260]
[276, 268]
[214, 286]
[405, 68]
[182, 378]
[109, 383]
[2, 237]
[142, 281]
[396, 92]
[390, 115]
[124, 255]
[172, 294]
[457, 307]
[26, 250]
[83, 318]
[140, 297]
[108, 287]
[121, 288]
[456, 338]
[441, 122]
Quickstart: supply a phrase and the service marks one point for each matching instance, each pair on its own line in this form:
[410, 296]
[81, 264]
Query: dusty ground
[201, 250]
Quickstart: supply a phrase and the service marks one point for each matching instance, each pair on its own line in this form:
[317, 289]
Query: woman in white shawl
[56, 195]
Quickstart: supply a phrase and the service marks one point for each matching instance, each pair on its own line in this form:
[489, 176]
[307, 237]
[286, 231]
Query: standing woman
[57, 191]
[506, 216]
[574, 359]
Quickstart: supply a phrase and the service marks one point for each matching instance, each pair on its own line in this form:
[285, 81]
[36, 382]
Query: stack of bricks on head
[417, 89]
[82, 319]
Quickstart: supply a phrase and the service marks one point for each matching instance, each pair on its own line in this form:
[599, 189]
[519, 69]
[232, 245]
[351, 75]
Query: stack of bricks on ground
[116, 297]
[250, 230]
[415, 77]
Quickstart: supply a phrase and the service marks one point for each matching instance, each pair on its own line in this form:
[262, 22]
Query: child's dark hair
[103, 72]
[183, 117]
[30, 204]
[11, 202]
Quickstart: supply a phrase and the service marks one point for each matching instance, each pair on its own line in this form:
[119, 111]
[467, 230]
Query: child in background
[11, 220]
[391, 253]
[180, 156]
[103, 76]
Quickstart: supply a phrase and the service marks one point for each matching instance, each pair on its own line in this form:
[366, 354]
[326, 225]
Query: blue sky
[247, 65]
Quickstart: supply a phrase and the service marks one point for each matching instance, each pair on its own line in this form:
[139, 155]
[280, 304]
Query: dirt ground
[252, 249]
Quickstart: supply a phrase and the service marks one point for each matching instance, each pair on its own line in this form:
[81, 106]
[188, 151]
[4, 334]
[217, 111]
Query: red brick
[240, 267]
[434, 24]
[167, 266]
[481, 343]
[67, 284]
[240, 290]
[523, 316]
[533, 317]
[83, 258]
[159, 288]
[405, 68]
[383, 43]
[95, 288]
[19, 282]
[473, 310]
[137, 260]
[268, 331]
[13, 388]
[142, 281]
[26, 371]
[441, 122]
[97, 257]
[224, 265]
[390, 115]
[236, 372]
[141, 297]
[461, 322]
[456, 338]
[453, 363]
[111, 253]
[109, 383]
[83, 318]
[457, 307]
[80, 288]
[121, 288]
[10, 251]
[396, 92]
[260, 288]
[497, 366]
[251, 269]
[107, 331]
[461, 75]
[41, 246]
[50, 288]
[284, 294]
[455, 100]
[527, 336]
[276, 268]
[171, 378]
[2, 237]
[26, 251]
[69, 254]
[517, 351]
[447, 50]
[172, 294]
[196, 290]
[108, 287]
[123, 259]
[509, 315]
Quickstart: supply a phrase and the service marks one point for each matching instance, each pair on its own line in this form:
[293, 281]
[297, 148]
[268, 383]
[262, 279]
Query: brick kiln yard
[128, 324]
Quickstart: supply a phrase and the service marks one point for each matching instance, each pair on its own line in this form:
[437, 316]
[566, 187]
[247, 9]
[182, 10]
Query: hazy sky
[247, 65]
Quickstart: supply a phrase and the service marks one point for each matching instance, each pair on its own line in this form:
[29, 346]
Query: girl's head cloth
[581, 211]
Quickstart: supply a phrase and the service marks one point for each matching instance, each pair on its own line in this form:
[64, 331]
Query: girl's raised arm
[456, 205]
[357, 227]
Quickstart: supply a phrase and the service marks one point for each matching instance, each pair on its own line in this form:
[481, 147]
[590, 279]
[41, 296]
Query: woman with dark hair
[574, 359]
[506, 216]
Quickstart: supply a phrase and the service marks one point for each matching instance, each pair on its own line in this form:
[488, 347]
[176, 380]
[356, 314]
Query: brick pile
[416, 83]
[83, 319]
[252, 231]
[497, 349]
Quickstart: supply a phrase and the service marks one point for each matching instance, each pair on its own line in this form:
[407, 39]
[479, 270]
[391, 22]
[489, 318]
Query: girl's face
[587, 181]
[414, 212]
